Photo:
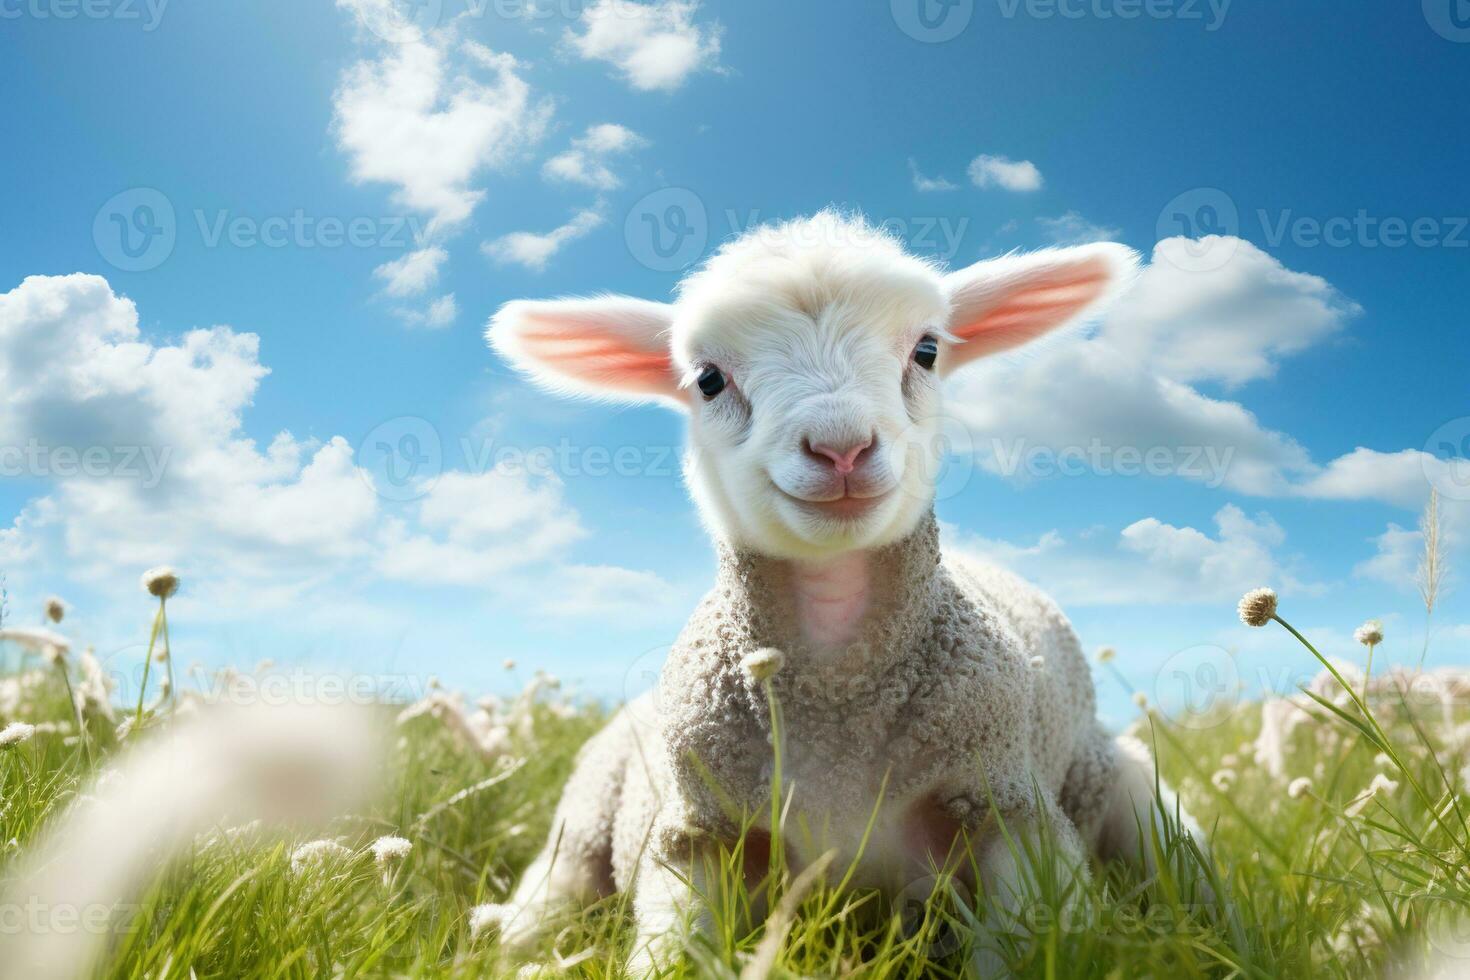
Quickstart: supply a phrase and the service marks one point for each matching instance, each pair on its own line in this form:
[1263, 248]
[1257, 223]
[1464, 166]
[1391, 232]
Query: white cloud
[436, 316]
[1401, 479]
[586, 162]
[656, 46]
[1231, 324]
[429, 116]
[928, 184]
[412, 273]
[251, 527]
[1129, 387]
[1073, 229]
[1148, 562]
[534, 251]
[607, 592]
[1011, 175]
[474, 527]
[1395, 558]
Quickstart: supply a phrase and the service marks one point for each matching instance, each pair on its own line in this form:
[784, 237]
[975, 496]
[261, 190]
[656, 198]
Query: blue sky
[503, 149]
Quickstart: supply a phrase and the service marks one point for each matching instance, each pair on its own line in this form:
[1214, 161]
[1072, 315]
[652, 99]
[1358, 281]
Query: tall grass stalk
[1430, 575]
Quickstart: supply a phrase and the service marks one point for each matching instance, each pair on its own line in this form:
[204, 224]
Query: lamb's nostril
[842, 459]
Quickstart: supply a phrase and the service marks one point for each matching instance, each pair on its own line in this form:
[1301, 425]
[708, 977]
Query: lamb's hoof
[516, 928]
[987, 964]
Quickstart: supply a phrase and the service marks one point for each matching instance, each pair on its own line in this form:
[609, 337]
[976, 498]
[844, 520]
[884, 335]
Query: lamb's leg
[1023, 859]
[668, 913]
[1013, 880]
[575, 866]
[1137, 808]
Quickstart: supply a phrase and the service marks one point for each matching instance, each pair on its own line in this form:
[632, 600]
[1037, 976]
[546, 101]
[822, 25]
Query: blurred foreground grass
[1339, 836]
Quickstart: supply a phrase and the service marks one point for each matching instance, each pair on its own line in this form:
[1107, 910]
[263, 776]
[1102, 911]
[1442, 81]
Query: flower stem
[148, 661]
[1368, 671]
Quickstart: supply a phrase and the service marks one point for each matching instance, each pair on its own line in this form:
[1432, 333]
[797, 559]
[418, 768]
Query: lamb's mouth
[848, 507]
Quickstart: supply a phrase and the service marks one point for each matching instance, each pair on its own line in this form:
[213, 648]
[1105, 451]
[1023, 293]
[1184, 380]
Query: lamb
[938, 697]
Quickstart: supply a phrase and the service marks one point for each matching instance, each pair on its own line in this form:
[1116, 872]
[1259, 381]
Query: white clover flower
[1299, 787]
[161, 582]
[1257, 607]
[1380, 786]
[52, 646]
[484, 917]
[763, 664]
[1370, 634]
[318, 853]
[15, 733]
[1106, 655]
[55, 609]
[390, 850]
[1223, 779]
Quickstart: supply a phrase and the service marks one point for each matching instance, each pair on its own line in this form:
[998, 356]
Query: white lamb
[809, 358]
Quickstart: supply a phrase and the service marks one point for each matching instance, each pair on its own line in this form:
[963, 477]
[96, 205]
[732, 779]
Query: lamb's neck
[857, 606]
[832, 598]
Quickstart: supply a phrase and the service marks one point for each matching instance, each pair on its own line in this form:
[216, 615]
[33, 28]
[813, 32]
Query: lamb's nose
[843, 459]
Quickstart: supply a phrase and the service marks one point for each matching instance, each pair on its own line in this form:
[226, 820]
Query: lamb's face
[812, 410]
[809, 358]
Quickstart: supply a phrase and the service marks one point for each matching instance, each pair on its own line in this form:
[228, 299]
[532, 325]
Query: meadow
[1337, 816]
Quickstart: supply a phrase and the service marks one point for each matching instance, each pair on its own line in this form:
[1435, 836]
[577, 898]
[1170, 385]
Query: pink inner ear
[1021, 311]
[588, 351]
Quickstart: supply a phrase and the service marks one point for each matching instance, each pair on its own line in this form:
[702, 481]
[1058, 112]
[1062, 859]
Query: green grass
[1305, 889]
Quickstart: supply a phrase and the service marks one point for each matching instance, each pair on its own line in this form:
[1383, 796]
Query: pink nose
[844, 460]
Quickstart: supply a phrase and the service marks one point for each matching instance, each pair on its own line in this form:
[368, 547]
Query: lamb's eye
[926, 352]
[711, 381]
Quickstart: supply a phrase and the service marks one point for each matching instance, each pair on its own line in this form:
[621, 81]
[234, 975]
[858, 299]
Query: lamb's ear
[606, 346]
[1007, 302]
